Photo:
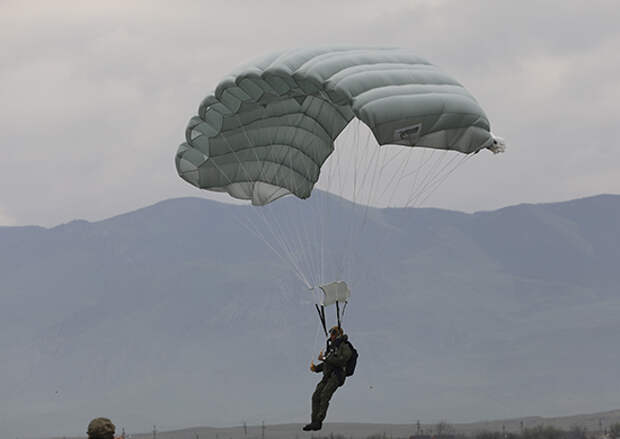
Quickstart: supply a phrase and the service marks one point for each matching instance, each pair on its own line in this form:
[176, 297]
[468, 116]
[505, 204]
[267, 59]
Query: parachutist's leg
[316, 399]
[326, 393]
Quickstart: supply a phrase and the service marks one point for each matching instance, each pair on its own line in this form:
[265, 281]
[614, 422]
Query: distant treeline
[550, 432]
[538, 432]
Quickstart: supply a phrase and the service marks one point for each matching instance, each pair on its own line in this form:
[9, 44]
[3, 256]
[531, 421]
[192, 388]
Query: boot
[313, 426]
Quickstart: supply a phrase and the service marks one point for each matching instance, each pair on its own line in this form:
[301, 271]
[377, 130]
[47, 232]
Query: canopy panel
[269, 126]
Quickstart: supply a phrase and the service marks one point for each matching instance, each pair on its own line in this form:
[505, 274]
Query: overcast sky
[96, 95]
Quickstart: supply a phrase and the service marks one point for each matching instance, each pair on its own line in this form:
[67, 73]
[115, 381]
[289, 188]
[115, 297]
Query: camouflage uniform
[333, 368]
[101, 428]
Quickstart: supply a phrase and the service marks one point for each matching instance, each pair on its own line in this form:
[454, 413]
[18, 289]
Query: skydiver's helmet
[101, 428]
[337, 331]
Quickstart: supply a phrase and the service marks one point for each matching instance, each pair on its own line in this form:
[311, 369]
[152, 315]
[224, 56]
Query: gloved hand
[321, 356]
[312, 367]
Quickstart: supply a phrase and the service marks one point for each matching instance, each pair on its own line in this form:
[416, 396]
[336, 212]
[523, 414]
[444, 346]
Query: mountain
[182, 313]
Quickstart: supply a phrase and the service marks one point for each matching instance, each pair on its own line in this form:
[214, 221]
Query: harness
[338, 371]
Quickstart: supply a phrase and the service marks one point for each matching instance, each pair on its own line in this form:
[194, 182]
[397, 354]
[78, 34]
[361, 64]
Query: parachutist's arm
[318, 367]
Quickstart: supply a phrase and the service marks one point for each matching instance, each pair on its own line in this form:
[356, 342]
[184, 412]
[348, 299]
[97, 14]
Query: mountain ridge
[482, 211]
[175, 311]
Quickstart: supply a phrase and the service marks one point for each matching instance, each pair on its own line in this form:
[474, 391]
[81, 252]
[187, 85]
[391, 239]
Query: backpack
[349, 368]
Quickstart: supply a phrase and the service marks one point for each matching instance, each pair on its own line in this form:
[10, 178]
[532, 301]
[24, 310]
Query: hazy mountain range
[176, 315]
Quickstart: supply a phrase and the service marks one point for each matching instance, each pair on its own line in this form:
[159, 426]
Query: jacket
[338, 354]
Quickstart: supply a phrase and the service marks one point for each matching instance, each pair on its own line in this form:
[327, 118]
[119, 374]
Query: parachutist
[268, 129]
[337, 363]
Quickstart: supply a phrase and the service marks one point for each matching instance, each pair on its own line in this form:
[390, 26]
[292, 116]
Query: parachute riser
[321, 312]
[320, 309]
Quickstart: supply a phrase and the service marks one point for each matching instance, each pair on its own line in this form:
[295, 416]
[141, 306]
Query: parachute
[270, 125]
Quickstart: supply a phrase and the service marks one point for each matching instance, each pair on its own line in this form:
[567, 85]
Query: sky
[96, 95]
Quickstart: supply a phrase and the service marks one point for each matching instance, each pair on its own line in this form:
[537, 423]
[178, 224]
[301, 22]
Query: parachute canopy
[269, 126]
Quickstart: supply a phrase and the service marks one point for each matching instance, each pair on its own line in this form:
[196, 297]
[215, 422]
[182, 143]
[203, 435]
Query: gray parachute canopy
[269, 126]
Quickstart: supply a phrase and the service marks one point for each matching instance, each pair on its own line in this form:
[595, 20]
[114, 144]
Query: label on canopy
[335, 292]
[408, 135]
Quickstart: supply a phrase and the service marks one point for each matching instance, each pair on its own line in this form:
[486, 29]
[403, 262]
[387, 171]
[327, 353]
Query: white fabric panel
[335, 292]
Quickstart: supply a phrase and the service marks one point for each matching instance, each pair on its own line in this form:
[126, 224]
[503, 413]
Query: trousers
[321, 396]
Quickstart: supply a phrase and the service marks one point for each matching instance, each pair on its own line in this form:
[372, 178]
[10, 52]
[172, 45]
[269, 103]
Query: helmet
[101, 428]
[337, 331]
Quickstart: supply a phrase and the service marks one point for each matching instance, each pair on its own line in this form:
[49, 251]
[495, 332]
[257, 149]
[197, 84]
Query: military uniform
[333, 368]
